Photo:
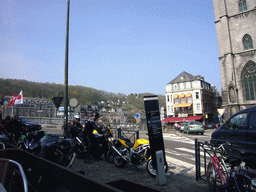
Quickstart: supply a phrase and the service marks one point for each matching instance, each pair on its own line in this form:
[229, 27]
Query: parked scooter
[136, 154]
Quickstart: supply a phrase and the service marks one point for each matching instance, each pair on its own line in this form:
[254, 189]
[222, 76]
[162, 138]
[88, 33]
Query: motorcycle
[57, 151]
[108, 134]
[109, 153]
[136, 154]
[32, 142]
[99, 143]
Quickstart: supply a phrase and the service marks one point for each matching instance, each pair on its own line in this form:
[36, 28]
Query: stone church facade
[235, 22]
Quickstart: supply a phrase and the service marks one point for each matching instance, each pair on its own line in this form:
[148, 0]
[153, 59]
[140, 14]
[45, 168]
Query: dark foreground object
[43, 175]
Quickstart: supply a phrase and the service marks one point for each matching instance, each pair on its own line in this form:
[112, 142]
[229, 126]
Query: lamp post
[66, 73]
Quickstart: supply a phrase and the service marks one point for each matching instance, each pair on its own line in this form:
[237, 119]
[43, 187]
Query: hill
[84, 95]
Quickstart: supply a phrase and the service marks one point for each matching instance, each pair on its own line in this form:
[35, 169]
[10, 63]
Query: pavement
[178, 178]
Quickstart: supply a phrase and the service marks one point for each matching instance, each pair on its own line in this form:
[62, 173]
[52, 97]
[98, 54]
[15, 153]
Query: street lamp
[66, 73]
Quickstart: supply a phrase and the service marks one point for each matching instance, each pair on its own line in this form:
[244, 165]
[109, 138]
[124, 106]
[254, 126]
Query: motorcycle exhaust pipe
[115, 149]
[72, 160]
[79, 140]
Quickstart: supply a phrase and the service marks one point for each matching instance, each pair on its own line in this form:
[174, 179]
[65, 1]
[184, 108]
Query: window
[168, 98]
[197, 95]
[181, 86]
[247, 41]
[182, 100]
[198, 106]
[249, 78]
[176, 101]
[237, 122]
[168, 108]
[188, 85]
[242, 5]
[252, 124]
[189, 99]
[171, 98]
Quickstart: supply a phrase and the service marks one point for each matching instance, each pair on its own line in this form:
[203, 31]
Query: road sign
[221, 111]
[73, 102]
[57, 101]
[136, 115]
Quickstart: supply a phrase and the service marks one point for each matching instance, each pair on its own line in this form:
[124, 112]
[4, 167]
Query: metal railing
[12, 175]
[132, 135]
[201, 148]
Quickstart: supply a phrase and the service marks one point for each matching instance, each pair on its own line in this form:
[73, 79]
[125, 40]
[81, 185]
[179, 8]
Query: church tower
[235, 22]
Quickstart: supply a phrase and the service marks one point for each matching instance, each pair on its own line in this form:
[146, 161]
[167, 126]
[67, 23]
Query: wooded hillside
[84, 95]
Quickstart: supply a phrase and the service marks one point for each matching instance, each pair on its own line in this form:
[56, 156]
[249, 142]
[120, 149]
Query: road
[179, 148]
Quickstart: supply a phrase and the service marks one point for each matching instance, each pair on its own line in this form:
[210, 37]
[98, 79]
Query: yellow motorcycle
[136, 154]
[108, 154]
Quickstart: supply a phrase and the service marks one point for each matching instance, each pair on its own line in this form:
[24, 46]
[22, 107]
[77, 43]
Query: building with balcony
[190, 98]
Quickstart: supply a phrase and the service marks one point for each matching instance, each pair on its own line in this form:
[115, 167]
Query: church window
[247, 41]
[242, 5]
[249, 78]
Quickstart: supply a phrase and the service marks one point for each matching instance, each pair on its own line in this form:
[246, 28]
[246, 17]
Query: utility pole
[66, 74]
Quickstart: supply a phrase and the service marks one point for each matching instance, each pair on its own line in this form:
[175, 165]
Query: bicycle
[231, 176]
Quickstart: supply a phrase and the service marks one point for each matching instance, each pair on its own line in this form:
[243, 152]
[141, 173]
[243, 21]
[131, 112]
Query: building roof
[183, 77]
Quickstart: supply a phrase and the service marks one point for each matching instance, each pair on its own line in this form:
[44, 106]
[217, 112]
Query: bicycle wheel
[211, 175]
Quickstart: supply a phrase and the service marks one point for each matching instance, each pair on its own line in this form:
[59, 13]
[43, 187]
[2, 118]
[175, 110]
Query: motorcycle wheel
[151, 171]
[54, 155]
[109, 156]
[79, 151]
[119, 161]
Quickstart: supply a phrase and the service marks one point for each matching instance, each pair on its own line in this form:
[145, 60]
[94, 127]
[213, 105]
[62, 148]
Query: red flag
[12, 100]
[19, 99]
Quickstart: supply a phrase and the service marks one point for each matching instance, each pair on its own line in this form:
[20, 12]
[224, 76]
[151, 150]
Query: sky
[118, 46]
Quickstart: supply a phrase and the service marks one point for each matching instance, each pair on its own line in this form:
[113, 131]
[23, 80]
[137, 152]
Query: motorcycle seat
[130, 144]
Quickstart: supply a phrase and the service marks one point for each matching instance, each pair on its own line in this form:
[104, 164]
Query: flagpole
[66, 73]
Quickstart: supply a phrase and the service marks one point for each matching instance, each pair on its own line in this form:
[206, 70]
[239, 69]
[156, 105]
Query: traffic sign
[221, 111]
[57, 101]
[136, 115]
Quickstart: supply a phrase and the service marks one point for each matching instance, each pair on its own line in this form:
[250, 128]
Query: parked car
[210, 126]
[28, 125]
[239, 130]
[194, 127]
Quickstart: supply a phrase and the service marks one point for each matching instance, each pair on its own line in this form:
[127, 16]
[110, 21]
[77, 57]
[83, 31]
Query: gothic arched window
[242, 5]
[249, 79]
[247, 41]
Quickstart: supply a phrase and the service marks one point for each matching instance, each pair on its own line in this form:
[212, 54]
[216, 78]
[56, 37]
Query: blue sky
[118, 46]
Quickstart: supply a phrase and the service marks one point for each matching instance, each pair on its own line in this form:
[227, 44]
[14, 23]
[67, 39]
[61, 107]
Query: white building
[190, 98]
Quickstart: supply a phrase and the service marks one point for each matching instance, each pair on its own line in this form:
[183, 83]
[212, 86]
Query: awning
[183, 105]
[182, 95]
[176, 96]
[182, 119]
[188, 94]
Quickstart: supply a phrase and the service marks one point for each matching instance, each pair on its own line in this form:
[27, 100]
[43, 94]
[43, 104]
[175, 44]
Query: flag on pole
[12, 100]
[19, 99]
